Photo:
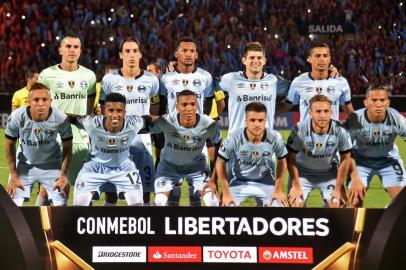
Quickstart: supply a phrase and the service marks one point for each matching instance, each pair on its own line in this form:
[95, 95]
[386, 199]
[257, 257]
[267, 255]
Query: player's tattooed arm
[14, 181]
[62, 182]
[278, 193]
[227, 198]
[295, 196]
[338, 198]
[357, 190]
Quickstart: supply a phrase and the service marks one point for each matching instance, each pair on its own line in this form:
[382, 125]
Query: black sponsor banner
[319, 29]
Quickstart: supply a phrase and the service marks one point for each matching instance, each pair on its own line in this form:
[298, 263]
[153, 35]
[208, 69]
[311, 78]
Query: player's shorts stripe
[11, 137]
[223, 158]
[346, 151]
[290, 149]
[67, 139]
[347, 102]
[288, 101]
[285, 156]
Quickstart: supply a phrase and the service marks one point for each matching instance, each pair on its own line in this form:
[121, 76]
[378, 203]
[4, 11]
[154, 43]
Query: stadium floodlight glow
[109, 19]
[8, 14]
[91, 22]
[379, 27]
[282, 72]
[57, 37]
[265, 28]
[112, 10]
[23, 17]
[132, 15]
[96, 61]
[104, 43]
[309, 10]
[42, 44]
[401, 4]
[394, 25]
[111, 38]
[9, 58]
[228, 46]
[311, 36]
[276, 36]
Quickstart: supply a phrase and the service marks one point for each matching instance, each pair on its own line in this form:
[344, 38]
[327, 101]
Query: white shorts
[30, 174]
[391, 176]
[169, 175]
[141, 154]
[94, 175]
[260, 190]
[325, 182]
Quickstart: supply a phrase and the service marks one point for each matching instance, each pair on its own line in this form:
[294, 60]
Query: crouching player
[110, 138]
[251, 152]
[186, 132]
[40, 158]
[313, 161]
[375, 152]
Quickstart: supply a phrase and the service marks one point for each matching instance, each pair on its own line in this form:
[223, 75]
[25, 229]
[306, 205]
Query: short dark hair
[115, 97]
[157, 66]
[71, 35]
[29, 74]
[185, 39]
[255, 107]
[185, 93]
[377, 88]
[253, 46]
[319, 98]
[38, 86]
[129, 39]
[317, 44]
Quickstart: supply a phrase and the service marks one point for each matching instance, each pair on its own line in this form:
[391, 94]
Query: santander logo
[174, 254]
[230, 254]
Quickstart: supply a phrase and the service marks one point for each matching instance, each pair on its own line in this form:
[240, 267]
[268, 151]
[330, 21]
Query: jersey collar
[104, 125]
[329, 127]
[197, 119]
[245, 75]
[177, 70]
[262, 139]
[366, 117]
[29, 113]
[136, 77]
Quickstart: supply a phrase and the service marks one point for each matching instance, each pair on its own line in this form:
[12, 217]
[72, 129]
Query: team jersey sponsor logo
[175, 82]
[118, 88]
[240, 85]
[142, 88]
[174, 254]
[309, 89]
[244, 152]
[109, 254]
[71, 84]
[197, 83]
[229, 254]
[254, 98]
[294, 255]
[130, 88]
[185, 82]
[69, 96]
[84, 85]
[100, 139]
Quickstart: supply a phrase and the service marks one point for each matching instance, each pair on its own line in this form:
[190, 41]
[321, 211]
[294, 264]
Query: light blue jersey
[242, 91]
[107, 148]
[374, 143]
[317, 153]
[183, 146]
[198, 81]
[252, 161]
[304, 87]
[38, 140]
[137, 91]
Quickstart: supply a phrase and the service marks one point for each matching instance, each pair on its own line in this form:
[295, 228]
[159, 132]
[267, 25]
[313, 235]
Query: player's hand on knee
[356, 192]
[280, 197]
[61, 184]
[337, 200]
[14, 183]
[295, 196]
[211, 186]
[228, 200]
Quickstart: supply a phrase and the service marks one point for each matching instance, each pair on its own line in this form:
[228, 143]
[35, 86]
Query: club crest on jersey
[264, 85]
[331, 89]
[112, 141]
[130, 88]
[37, 131]
[376, 133]
[240, 85]
[141, 88]
[84, 85]
[124, 140]
[197, 83]
[252, 86]
[319, 145]
[185, 82]
[71, 84]
[255, 154]
[185, 137]
[318, 90]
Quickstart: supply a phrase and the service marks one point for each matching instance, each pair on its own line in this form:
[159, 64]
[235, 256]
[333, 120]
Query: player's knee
[210, 199]
[134, 198]
[18, 201]
[61, 202]
[160, 199]
[82, 198]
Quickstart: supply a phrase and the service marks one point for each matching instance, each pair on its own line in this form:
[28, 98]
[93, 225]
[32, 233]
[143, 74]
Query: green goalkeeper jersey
[69, 91]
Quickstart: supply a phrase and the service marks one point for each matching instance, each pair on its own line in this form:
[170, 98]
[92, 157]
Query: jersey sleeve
[279, 146]
[282, 86]
[154, 87]
[163, 91]
[227, 148]
[65, 130]
[344, 141]
[42, 78]
[16, 100]
[402, 126]
[214, 133]
[105, 88]
[12, 127]
[84, 122]
[293, 94]
[225, 82]
[136, 122]
[156, 125]
[209, 90]
[294, 144]
[219, 95]
[345, 97]
[91, 91]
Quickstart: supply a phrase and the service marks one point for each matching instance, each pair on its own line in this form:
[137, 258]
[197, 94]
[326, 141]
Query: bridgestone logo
[119, 254]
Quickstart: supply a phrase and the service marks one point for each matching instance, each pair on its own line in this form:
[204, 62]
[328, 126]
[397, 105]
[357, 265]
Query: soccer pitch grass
[376, 196]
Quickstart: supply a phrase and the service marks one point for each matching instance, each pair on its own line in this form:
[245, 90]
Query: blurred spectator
[30, 33]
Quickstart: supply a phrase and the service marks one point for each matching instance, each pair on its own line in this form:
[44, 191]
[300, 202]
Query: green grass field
[376, 197]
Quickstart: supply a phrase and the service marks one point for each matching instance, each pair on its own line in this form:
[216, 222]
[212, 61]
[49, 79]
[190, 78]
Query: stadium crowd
[30, 32]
